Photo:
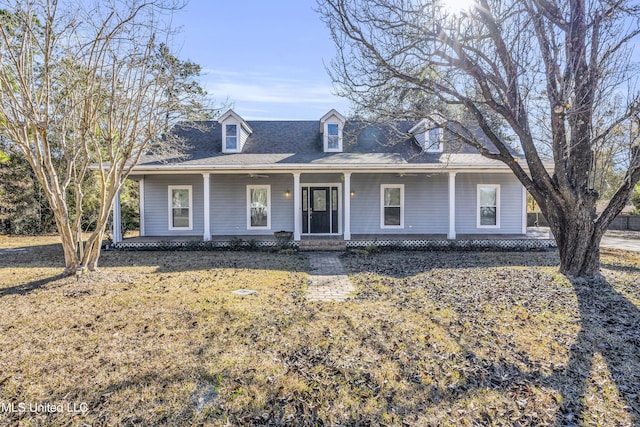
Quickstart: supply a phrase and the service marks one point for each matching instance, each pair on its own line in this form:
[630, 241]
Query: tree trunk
[578, 242]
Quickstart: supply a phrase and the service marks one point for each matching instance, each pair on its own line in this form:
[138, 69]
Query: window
[434, 140]
[231, 137]
[258, 203]
[392, 204]
[488, 206]
[333, 136]
[180, 211]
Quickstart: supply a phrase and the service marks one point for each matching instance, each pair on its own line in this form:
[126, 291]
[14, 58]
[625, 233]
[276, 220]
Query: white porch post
[347, 206]
[297, 217]
[207, 216]
[452, 206]
[524, 210]
[117, 221]
[141, 205]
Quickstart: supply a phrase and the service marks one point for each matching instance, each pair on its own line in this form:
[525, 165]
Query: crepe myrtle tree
[528, 73]
[89, 87]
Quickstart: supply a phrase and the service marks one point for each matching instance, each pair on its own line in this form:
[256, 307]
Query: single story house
[340, 179]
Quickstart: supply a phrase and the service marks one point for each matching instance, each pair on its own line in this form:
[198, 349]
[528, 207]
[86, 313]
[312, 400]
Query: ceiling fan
[257, 175]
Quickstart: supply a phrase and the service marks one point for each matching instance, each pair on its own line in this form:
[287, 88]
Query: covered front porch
[360, 207]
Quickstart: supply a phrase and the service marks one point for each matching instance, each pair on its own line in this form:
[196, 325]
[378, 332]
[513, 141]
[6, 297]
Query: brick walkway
[327, 278]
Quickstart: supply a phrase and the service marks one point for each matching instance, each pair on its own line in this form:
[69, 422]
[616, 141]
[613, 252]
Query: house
[332, 177]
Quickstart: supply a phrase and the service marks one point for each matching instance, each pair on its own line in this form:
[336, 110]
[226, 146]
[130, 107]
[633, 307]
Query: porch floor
[532, 234]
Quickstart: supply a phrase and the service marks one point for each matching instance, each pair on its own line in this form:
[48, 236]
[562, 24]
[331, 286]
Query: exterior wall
[510, 209]
[426, 209]
[229, 204]
[156, 204]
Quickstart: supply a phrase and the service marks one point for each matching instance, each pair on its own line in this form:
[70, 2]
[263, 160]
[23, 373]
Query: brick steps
[322, 245]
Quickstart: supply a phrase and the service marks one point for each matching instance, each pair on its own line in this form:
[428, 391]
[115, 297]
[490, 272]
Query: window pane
[334, 199]
[488, 216]
[333, 136]
[392, 216]
[488, 196]
[434, 136]
[392, 197]
[180, 208]
[180, 198]
[319, 200]
[259, 207]
[181, 217]
[232, 137]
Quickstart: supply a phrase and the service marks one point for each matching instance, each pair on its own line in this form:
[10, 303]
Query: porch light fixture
[352, 193]
[287, 194]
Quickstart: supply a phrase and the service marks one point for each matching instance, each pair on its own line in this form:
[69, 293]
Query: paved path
[327, 278]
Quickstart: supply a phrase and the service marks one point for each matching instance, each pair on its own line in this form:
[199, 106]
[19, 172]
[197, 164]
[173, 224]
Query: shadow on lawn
[26, 288]
[609, 327]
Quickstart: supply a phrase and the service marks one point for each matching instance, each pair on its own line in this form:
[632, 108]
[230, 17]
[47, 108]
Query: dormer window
[434, 141]
[231, 137]
[333, 136]
[235, 132]
[331, 125]
[429, 135]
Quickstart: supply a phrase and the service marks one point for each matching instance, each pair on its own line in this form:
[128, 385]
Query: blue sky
[266, 57]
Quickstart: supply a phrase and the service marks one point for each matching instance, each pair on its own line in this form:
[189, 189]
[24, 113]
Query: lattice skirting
[503, 244]
[194, 245]
[514, 244]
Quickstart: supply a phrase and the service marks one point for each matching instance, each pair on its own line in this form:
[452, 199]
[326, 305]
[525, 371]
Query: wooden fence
[622, 222]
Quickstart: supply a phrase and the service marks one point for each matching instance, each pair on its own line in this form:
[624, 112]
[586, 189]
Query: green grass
[430, 338]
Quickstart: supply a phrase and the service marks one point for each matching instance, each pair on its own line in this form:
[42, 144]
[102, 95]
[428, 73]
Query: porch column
[347, 206]
[141, 205]
[524, 210]
[207, 217]
[452, 206]
[117, 220]
[297, 217]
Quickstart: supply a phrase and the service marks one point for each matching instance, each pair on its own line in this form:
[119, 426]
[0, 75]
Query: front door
[320, 210]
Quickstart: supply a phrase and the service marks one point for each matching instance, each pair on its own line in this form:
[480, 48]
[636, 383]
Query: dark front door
[320, 210]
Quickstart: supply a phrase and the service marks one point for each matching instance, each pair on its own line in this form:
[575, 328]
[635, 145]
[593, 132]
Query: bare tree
[529, 71]
[85, 87]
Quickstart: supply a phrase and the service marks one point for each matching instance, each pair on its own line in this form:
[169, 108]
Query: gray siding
[156, 208]
[426, 209]
[425, 202]
[510, 209]
[229, 203]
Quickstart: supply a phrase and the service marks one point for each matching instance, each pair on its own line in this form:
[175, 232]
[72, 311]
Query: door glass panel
[305, 199]
[334, 199]
[319, 200]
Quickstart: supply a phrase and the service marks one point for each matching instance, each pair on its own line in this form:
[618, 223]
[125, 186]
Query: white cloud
[272, 95]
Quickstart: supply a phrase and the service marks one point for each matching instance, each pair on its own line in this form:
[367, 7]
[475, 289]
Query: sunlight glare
[456, 6]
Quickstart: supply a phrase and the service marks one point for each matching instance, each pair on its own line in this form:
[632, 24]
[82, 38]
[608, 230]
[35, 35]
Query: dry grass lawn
[430, 338]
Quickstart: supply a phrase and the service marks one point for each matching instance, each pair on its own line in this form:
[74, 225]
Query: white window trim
[255, 187]
[382, 188]
[498, 210]
[325, 137]
[189, 188]
[224, 137]
[427, 142]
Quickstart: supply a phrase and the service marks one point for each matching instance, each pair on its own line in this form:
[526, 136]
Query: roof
[297, 144]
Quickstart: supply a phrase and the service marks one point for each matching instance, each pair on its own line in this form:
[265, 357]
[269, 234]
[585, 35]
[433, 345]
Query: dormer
[331, 126]
[235, 132]
[429, 134]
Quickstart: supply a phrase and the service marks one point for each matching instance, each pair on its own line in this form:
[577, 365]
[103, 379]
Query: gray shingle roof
[289, 143]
